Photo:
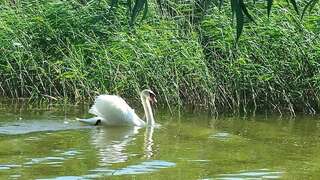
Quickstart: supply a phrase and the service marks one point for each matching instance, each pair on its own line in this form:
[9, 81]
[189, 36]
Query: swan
[112, 110]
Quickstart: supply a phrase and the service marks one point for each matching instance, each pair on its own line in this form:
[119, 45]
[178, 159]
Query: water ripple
[223, 136]
[8, 166]
[45, 160]
[30, 126]
[54, 160]
[251, 174]
[144, 167]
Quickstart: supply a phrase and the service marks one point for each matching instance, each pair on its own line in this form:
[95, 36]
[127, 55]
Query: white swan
[112, 110]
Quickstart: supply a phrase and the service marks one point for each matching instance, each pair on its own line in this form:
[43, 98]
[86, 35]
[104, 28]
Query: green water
[47, 143]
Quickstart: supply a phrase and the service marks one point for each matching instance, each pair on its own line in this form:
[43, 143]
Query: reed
[73, 51]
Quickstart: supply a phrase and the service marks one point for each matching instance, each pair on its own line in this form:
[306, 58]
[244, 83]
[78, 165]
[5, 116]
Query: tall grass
[72, 50]
[67, 50]
[274, 66]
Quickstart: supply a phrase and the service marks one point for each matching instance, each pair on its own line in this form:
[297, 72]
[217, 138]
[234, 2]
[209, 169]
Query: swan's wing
[91, 121]
[114, 110]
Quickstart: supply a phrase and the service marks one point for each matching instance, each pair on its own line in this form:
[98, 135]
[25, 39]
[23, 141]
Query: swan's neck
[147, 111]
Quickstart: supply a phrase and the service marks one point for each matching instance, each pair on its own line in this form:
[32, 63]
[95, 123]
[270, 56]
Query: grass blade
[239, 18]
[160, 6]
[234, 7]
[312, 5]
[220, 4]
[245, 10]
[306, 7]
[269, 5]
[137, 9]
[129, 3]
[113, 3]
[145, 11]
[295, 6]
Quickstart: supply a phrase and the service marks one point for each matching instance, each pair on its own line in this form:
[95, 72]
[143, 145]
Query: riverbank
[74, 51]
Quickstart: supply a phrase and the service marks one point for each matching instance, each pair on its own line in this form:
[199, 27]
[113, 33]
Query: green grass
[274, 66]
[75, 51]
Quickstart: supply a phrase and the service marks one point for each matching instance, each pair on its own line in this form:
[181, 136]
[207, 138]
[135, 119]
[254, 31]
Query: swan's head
[149, 95]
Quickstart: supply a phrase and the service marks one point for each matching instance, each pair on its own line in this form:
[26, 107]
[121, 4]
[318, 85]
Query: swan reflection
[112, 143]
[148, 142]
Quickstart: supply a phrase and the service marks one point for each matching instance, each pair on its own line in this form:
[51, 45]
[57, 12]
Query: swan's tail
[91, 121]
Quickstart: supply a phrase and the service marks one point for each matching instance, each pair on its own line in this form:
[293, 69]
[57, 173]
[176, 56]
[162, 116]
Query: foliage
[239, 8]
[273, 66]
[76, 50]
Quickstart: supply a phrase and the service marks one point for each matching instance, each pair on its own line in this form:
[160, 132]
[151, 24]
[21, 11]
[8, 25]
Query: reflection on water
[49, 144]
[111, 143]
[148, 142]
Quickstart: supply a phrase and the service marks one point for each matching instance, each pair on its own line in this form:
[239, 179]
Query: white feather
[90, 121]
[113, 110]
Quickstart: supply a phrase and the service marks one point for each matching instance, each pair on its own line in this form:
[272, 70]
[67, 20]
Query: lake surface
[48, 143]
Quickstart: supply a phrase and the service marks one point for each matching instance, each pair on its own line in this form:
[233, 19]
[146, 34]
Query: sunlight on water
[255, 174]
[223, 136]
[46, 160]
[8, 166]
[144, 167]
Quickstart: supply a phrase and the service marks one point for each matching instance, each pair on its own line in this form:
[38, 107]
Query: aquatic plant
[72, 50]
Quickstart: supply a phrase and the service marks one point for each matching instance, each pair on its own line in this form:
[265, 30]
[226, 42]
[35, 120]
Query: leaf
[239, 18]
[269, 5]
[220, 4]
[136, 9]
[160, 6]
[309, 5]
[205, 5]
[145, 11]
[305, 8]
[234, 7]
[237, 12]
[129, 3]
[245, 10]
[312, 5]
[294, 4]
[113, 3]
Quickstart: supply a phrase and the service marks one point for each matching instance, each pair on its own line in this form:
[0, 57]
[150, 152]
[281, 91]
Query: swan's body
[112, 110]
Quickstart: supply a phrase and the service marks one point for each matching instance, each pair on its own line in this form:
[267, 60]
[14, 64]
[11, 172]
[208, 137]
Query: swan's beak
[153, 100]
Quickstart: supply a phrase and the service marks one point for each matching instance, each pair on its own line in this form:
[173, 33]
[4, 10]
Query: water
[48, 143]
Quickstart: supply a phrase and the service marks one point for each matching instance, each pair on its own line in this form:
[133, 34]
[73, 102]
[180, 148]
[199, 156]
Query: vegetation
[75, 50]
